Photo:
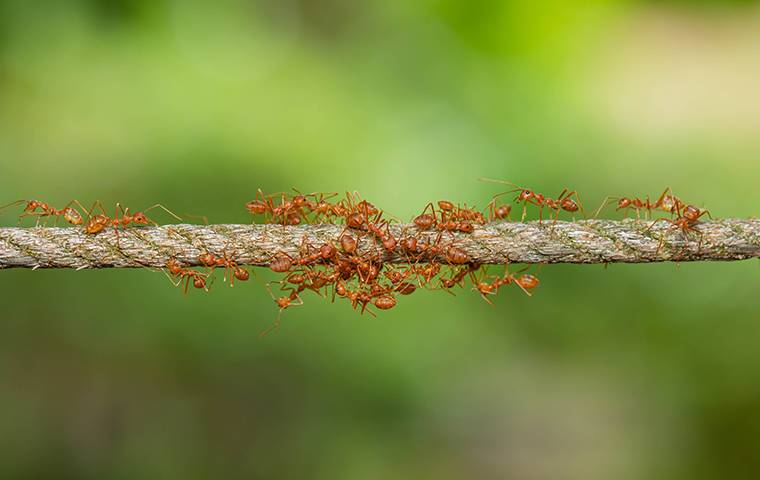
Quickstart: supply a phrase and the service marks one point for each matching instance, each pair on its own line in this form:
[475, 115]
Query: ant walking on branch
[685, 222]
[99, 222]
[666, 202]
[68, 213]
[567, 200]
[231, 269]
[179, 272]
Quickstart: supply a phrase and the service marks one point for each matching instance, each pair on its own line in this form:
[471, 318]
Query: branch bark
[586, 241]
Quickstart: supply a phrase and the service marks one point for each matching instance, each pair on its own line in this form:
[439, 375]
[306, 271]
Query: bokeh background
[649, 371]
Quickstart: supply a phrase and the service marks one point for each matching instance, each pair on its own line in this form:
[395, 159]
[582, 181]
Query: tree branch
[586, 241]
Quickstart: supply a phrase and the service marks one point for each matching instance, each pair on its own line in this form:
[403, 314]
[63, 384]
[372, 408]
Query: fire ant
[283, 302]
[685, 223]
[281, 263]
[97, 223]
[178, 271]
[426, 221]
[526, 282]
[458, 277]
[356, 297]
[666, 202]
[500, 212]
[231, 268]
[451, 212]
[70, 214]
[567, 200]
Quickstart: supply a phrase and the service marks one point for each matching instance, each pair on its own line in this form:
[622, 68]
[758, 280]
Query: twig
[586, 241]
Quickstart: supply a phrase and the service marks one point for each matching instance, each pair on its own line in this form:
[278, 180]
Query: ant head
[199, 282]
[32, 205]
[623, 203]
[140, 218]
[525, 195]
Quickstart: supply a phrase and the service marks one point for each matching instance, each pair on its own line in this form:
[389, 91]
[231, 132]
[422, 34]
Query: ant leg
[13, 204]
[662, 236]
[578, 200]
[604, 204]
[97, 204]
[158, 205]
[274, 326]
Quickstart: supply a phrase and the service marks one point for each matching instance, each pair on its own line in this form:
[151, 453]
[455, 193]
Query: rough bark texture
[588, 241]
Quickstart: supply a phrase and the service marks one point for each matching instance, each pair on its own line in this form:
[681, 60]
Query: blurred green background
[649, 371]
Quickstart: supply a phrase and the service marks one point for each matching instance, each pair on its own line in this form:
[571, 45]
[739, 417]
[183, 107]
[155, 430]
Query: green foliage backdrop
[641, 371]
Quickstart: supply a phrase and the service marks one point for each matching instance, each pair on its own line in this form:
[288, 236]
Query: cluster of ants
[429, 247]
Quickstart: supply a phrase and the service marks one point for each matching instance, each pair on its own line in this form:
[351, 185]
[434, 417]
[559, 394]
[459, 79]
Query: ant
[526, 282]
[426, 221]
[500, 212]
[385, 302]
[98, 223]
[283, 302]
[281, 263]
[355, 297]
[68, 213]
[178, 271]
[449, 211]
[231, 267]
[685, 223]
[458, 277]
[567, 200]
[666, 202]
